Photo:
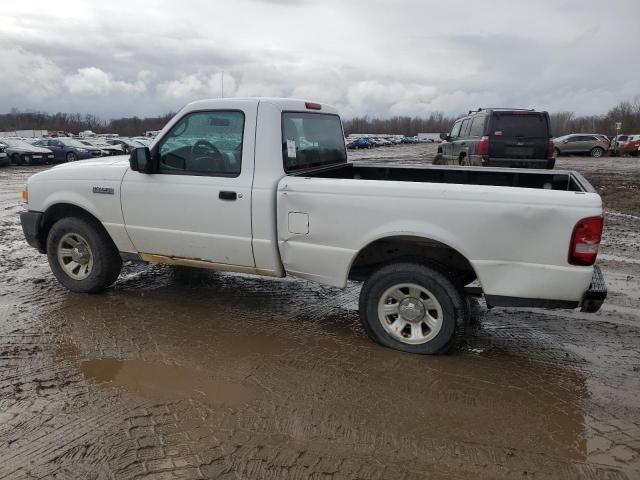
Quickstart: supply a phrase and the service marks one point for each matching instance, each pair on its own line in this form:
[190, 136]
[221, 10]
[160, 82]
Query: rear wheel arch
[408, 248]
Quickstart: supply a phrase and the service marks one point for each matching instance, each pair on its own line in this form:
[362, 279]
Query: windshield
[311, 139]
[519, 125]
[12, 142]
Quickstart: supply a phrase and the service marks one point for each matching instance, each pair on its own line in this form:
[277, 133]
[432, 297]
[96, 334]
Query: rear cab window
[531, 125]
[311, 140]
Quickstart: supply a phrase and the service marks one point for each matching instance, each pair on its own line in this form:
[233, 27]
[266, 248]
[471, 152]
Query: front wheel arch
[61, 210]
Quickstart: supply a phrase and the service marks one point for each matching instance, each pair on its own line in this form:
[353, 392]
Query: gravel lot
[183, 374]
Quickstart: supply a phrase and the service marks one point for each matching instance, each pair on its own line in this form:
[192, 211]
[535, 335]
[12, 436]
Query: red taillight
[483, 146]
[585, 241]
[313, 106]
[551, 149]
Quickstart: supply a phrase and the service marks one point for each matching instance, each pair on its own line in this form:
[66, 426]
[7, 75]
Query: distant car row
[597, 145]
[371, 142]
[20, 151]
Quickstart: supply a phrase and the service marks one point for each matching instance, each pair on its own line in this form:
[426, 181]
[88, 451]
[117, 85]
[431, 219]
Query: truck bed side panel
[516, 239]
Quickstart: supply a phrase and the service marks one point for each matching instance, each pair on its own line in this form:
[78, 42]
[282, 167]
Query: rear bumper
[591, 302]
[31, 222]
[547, 163]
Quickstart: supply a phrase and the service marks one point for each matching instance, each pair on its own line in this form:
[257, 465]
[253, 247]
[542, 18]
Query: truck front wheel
[82, 256]
[412, 308]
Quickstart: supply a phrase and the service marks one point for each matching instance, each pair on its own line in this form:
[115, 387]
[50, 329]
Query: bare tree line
[75, 122]
[561, 122]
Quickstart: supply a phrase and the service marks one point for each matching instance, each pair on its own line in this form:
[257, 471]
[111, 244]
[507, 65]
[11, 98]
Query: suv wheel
[596, 152]
[438, 160]
[411, 308]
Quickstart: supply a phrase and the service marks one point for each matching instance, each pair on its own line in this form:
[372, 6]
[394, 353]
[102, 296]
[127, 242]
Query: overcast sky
[121, 58]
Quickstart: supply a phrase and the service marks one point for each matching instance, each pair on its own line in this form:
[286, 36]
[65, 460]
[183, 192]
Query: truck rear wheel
[411, 308]
[82, 256]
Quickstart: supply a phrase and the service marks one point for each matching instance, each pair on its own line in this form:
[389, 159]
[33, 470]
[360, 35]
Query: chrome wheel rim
[410, 313]
[597, 153]
[75, 256]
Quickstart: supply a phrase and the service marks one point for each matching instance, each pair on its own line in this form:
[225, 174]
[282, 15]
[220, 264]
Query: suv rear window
[311, 140]
[519, 125]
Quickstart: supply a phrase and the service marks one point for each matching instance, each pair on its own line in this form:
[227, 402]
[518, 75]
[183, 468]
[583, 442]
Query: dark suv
[499, 137]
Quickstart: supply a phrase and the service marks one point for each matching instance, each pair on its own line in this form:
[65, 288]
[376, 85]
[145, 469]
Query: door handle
[227, 195]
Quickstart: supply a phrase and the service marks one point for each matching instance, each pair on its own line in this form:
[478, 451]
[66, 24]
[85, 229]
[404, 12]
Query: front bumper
[595, 296]
[31, 222]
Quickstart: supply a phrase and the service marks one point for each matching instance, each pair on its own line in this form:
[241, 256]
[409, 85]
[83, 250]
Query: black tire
[551, 163]
[16, 159]
[448, 296]
[107, 262]
[597, 152]
[71, 157]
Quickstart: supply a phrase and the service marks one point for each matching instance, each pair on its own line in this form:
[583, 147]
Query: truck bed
[512, 177]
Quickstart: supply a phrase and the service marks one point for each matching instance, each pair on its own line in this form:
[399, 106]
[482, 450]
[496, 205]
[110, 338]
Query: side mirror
[444, 136]
[140, 160]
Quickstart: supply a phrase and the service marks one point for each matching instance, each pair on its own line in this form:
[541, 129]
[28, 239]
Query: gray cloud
[366, 57]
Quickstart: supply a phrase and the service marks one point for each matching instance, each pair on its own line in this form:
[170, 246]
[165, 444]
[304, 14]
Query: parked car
[592, 145]
[126, 143]
[106, 148]
[361, 143]
[630, 147]
[616, 145]
[273, 208]
[145, 141]
[497, 137]
[4, 158]
[67, 149]
[23, 153]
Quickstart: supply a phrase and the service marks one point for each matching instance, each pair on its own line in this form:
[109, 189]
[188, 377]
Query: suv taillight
[551, 149]
[483, 146]
[585, 241]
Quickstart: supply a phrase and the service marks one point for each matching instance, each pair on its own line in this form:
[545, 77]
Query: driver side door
[198, 204]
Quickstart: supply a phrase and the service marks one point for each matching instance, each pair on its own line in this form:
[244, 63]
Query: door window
[464, 127]
[204, 143]
[477, 126]
[455, 131]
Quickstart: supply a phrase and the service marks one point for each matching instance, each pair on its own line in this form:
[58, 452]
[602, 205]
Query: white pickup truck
[263, 186]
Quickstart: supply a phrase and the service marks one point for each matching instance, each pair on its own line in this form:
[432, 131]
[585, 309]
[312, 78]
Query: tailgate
[519, 135]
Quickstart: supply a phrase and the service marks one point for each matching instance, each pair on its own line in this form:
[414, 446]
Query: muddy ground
[177, 374]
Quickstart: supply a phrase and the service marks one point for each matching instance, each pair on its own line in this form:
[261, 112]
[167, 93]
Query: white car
[263, 186]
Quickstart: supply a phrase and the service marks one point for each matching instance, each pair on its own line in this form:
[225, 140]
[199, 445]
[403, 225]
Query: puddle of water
[163, 381]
